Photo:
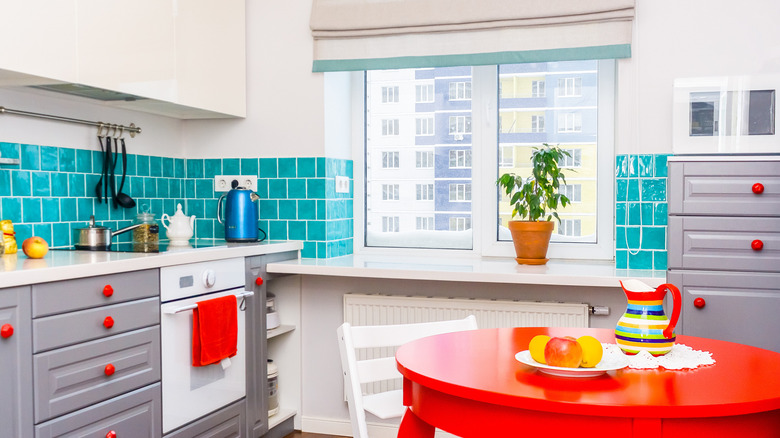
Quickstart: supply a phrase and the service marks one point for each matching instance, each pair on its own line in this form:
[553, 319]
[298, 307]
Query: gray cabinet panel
[16, 399]
[723, 243]
[83, 293]
[74, 327]
[724, 188]
[136, 414]
[71, 378]
[224, 423]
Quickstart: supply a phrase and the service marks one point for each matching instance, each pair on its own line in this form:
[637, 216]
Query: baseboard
[332, 426]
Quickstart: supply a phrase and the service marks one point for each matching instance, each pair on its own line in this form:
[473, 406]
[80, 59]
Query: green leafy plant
[537, 196]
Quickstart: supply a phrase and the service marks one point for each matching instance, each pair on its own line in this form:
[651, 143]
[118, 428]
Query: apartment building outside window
[573, 160]
[390, 127]
[390, 192]
[460, 125]
[424, 125]
[537, 123]
[460, 159]
[570, 227]
[537, 89]
[390, 94]
[460, 192]
[570, 122]
[423, 159]
[424, 192]
[390, 224]
[571, 191]
[460, 90]
[423, 93]
[390, 160]
[460, 223]
[506, 156]
[424, 223]
[570, 87]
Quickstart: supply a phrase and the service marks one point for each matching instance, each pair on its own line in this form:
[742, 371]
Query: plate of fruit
[570, 357]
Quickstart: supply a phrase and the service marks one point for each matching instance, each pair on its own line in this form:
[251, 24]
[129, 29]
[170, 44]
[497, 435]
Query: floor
[299, 434]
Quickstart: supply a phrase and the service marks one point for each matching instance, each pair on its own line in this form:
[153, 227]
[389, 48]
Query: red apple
[35, 247]
[563, 352]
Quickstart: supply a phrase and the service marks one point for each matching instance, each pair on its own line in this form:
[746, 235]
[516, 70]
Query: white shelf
[283, 414]
[282, 329]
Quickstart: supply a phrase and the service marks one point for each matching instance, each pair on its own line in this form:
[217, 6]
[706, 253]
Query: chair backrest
[356, 372]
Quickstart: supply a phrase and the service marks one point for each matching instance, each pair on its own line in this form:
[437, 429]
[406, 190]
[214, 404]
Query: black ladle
[123, 199]
[99, 185]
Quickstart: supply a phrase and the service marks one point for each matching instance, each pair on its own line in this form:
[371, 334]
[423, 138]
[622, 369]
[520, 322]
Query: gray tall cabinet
[16, 402]
[724, 246]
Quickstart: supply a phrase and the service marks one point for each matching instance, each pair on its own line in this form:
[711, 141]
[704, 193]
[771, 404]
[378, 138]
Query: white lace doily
[679, 358]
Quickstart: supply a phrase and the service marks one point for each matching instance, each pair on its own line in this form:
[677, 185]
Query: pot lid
[91, 225]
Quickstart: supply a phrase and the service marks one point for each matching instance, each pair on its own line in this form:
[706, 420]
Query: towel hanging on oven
[214, 330]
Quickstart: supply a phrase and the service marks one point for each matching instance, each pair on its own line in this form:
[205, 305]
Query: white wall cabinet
[180, 59]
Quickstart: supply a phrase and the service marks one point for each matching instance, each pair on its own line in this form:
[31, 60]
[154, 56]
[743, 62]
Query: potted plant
[535, 200]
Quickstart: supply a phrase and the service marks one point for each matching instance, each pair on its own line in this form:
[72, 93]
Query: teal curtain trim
[616, 51]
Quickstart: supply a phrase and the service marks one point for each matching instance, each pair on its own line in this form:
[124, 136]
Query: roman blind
[382, 34]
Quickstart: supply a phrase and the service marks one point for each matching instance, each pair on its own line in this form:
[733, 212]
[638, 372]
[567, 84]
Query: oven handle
[195, 306]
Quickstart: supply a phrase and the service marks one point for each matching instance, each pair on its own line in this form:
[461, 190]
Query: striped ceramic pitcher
[644, 326]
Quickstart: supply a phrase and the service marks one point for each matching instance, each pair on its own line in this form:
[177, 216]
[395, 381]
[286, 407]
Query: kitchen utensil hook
[100, 130]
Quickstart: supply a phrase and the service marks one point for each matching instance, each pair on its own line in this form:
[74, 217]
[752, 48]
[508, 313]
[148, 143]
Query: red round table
[470, 384]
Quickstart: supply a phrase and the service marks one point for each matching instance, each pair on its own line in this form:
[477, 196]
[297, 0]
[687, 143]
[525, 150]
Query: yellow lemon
[536, 347]
[591, 351]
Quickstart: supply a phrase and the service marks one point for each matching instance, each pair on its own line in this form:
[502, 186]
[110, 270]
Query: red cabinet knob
[108, 322]
[758, 188]
[699, 303]
[7, 330]
[109, 370]
[259, 281]
[108, 290]
[111, 434]
[757, 245]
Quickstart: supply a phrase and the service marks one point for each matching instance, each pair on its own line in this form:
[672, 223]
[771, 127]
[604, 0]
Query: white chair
[387, 404]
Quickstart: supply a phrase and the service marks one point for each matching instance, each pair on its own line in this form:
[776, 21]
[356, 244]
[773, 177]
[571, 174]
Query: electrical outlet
[342, 184]
[223, 183]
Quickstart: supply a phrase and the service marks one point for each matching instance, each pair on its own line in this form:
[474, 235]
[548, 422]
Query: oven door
[188, 392]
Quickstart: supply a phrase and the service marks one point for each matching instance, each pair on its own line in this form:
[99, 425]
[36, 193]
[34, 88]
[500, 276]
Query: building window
[423, 159]
[390, 224]
[424, 192]
[537, 123]
[460, 192]
[537, 89]
[460, 223]
[390, 192]
[424, 223]
[570, 227]
[424, 125]
[570, 122]
[571, 191]
[390, 160]
[423, 93]
[570, 87]
[506, 156]
[460, 125]
[390, 127]
[460, 159]
[460, 90]
[390, 94]
[573, 160]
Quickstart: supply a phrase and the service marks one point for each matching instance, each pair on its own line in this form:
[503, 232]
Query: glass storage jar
[146, 236]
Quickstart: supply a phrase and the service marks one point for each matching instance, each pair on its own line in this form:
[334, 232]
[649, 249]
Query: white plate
[608, 363]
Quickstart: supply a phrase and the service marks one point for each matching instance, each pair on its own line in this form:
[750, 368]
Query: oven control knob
[209, 278]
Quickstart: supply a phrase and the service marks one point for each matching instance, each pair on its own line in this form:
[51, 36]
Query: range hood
[88, 92]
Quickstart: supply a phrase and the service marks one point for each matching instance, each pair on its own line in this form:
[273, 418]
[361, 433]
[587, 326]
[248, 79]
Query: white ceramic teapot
[179, 228]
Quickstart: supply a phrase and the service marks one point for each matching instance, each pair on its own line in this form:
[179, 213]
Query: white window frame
[567, 227]
[460, 90]
[461, 223]
[537, 123]
[463, 192]
[570, 87]
[537, 89]
[424, 191]
[463, 125]
[428, 161]
[390, 127]
[391, 192]
[460, 159]
[390, 94]
[573, 191]
[424, 125]
[506, 156]
[424, 223]
[424, 93]
[391, 160]
[572, 161]
[569, 121]
[390, 224]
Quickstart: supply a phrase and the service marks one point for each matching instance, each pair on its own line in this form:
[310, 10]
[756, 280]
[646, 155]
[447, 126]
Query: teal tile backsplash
[52, 191]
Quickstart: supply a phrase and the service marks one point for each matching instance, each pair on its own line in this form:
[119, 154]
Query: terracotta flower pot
[531, 240]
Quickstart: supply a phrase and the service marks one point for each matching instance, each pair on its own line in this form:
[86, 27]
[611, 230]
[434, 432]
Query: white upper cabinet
[184, 59]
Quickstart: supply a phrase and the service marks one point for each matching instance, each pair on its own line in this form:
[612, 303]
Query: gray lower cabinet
[225, 423]
[16, 398]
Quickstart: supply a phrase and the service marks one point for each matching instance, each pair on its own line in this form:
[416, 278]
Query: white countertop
[17, 269]
[479, 270]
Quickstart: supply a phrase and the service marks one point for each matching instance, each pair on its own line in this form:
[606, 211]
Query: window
[390, 160]
[390, 192]
[390, 224]
[537, 89]
[537, 123]
[424, 125]
[570, 227]
[460, 223]
[570, 122]
[423, 159]
[424, 192]
[424, 223]
[573, 160]
[390, 94]
[570, 87]
[423, 93]
[460, 125]
[460, 159]
[506, 156]
[571, 191]
[390, 127]
[460, 192]
[460, 90]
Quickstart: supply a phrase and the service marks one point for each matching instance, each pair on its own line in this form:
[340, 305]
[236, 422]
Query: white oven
[188, 392]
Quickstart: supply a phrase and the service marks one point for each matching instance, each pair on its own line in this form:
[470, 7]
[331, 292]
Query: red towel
[214, 330]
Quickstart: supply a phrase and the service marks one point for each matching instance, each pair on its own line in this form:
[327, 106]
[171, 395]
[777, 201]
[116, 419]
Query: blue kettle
[241, 215]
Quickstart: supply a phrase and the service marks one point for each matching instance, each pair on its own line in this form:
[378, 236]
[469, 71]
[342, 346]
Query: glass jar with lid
[147, 234]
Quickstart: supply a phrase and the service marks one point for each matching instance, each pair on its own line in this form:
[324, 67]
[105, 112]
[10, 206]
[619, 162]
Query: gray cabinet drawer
[136, 414]
[738, 307]
[224, 423]
[85, 325]
[83, 293]
[74, 377]
[724, 188]
[723, 243]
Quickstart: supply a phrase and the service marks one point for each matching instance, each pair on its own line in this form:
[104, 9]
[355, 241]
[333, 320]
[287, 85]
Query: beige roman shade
[379, 34]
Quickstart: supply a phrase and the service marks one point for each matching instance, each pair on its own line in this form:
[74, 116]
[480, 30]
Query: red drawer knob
[7, 330]
[699, 303]
[108, 322]
[758, 188]
[259, 281]
[757, 245]
[108, 290]
[111, 434]
[109, 370]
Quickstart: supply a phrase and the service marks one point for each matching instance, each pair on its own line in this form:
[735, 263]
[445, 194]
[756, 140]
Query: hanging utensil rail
[132, 129]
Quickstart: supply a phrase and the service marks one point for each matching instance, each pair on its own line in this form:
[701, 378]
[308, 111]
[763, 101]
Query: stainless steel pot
[96, 237]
